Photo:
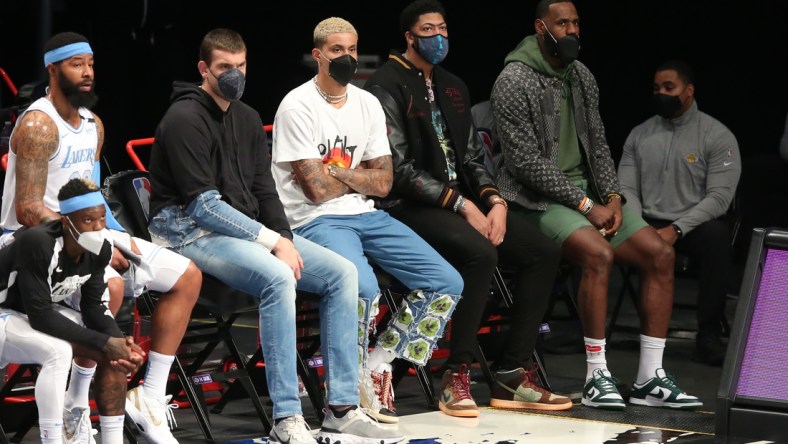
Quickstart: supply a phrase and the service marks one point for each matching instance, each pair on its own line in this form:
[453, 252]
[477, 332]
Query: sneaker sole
[666, 405]
[603, 406]
[506, 404]
[458, 413]
[383, 418]
[344, 438]
[137, 417]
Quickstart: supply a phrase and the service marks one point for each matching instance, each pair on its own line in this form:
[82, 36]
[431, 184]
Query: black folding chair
[21, 383]
[125, 193]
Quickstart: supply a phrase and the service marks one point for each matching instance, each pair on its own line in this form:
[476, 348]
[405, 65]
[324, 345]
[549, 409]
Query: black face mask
[342, 68]
[566, 49]
[667, 106]
[231, 84]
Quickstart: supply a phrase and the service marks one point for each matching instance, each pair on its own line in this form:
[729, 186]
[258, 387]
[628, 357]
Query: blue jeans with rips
[435, 285]
[249, 267]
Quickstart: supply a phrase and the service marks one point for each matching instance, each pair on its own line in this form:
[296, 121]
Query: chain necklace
[328, 97]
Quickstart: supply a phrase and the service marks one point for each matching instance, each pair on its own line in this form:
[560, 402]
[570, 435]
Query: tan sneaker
[455, 398]
[376, 395]
[517, 389]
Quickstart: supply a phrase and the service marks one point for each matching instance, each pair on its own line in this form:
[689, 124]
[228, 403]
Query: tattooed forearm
[33, 142]
[374, 179]
[318, 186]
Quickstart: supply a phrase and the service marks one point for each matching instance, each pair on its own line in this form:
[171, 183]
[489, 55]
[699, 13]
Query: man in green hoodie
[556, 168]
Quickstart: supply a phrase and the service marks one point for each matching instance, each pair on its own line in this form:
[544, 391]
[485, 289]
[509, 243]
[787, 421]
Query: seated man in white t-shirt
[331, 155]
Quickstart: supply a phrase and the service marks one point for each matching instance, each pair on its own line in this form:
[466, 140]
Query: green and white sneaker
[600, 392]
[662, 391]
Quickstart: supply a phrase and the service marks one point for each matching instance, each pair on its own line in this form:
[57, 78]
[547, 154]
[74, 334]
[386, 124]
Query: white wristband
[267, 238]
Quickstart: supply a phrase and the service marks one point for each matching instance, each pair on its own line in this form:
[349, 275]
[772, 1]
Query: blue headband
[65, 52]
[77, 203]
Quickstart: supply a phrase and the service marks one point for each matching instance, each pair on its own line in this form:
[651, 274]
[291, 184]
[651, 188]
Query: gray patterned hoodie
[526, 101]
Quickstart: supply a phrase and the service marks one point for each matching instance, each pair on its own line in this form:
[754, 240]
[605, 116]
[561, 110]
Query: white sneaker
[153, 417]
[292, 430]
[376, 395]
[356, 427]
[77, 428]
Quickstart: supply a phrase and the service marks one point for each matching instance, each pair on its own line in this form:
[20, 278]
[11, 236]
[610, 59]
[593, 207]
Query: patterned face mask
[433, 48]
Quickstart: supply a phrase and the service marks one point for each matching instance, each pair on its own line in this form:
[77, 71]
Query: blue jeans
[436, 286]
[252, 269]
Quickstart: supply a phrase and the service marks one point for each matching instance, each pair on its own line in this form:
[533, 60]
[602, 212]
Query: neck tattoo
[328, 97]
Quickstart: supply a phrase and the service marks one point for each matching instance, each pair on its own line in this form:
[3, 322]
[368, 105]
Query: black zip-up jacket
[200, 148]
[420, 171]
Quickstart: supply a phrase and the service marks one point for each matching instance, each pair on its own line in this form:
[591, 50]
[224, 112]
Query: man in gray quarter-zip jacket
[555, 168]
[680, 170]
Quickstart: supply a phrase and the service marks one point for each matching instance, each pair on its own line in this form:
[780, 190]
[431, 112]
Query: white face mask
[91, 241]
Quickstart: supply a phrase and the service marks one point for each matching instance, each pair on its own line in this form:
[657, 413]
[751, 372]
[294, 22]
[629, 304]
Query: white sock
[156, 375]
[78, 393]
[379, 357]
[111, 429]
[651, 349]
[51, 430]
[595, 355]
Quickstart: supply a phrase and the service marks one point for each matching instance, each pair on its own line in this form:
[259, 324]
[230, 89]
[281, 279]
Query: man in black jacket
[444, 193]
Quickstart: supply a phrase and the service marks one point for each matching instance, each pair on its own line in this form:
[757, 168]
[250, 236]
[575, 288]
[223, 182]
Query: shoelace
[605, 382]
[84, 422]
[670, 381]
[384, 389]
[296, 427]
[167, 407]
[532, 380]
[461, 385]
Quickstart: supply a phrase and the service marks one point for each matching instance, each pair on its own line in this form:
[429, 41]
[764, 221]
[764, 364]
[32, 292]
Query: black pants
[533, 256]
[709, 246]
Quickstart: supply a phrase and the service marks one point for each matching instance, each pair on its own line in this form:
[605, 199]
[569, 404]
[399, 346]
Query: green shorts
[558, 221]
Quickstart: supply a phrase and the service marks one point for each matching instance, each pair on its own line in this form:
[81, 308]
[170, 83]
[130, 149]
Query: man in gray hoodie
[680, 169]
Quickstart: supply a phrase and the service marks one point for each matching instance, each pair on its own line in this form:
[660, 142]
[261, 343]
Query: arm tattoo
[318, 186]
[34, 142]
[100, 127]
[375, 179]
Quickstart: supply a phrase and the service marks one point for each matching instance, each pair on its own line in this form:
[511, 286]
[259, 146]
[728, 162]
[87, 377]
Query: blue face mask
[433, 48]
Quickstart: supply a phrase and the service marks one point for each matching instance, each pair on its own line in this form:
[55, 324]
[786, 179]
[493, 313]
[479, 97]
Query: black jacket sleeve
[34, 256]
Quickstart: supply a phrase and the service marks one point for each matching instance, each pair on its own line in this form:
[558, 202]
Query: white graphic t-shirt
[307, 127]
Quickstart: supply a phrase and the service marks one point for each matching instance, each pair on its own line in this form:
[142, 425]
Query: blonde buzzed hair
[331, 25]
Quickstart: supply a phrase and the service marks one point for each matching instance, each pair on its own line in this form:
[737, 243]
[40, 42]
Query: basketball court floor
[564, 361]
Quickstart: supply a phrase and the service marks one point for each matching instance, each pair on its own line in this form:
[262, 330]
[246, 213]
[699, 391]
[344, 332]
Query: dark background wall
[738, 50]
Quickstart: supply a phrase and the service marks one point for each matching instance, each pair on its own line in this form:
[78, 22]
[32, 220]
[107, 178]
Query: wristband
[498, 200]
[459, 205]
[612, 196]
[586, 205]
[678, 231]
